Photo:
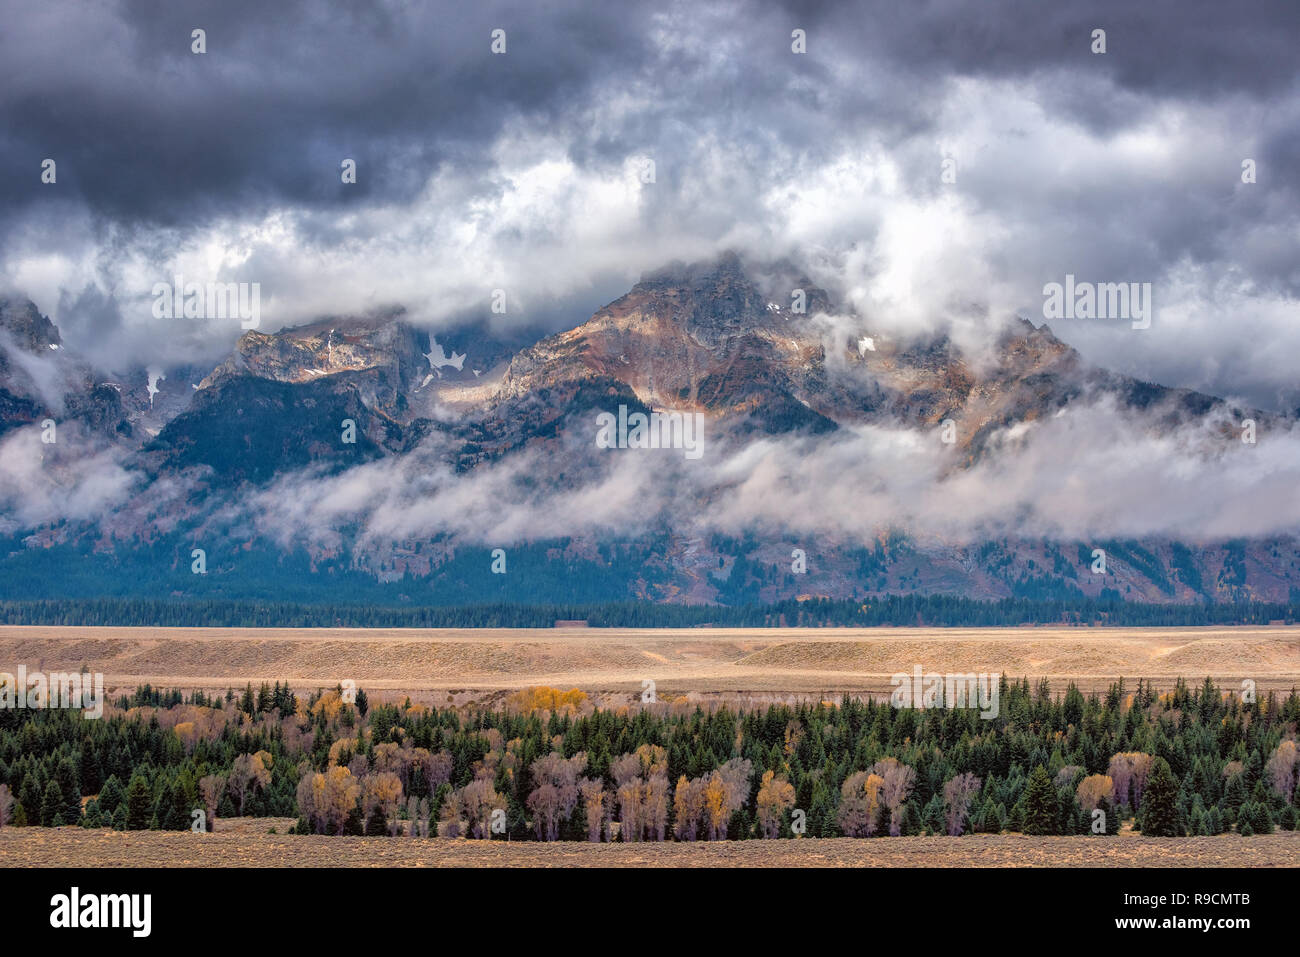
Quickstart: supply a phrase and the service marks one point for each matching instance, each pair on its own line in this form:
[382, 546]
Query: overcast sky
[523, 170]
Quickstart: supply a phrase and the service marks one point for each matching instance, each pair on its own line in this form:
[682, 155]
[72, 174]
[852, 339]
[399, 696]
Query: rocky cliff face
[381, 355]
[26, 328]
[722, 338]
[40, 380]
[690, 338]
[333, 393]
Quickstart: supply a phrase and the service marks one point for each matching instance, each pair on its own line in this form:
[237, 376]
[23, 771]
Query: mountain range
[366, 457]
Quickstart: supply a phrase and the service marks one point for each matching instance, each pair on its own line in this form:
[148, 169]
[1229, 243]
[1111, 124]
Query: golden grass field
[245, 843]
[456, 665]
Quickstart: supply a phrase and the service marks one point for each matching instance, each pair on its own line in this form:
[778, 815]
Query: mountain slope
[375, 403]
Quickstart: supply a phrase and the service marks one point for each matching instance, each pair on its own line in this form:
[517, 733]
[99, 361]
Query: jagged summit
[381, 342]
[754, 345]
[23, 323]
[756, 348]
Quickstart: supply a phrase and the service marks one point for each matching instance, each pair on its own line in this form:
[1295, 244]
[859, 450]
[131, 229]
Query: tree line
[891, 610]
[549, 765]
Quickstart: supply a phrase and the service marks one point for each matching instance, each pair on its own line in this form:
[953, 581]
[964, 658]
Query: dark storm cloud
[1179, 48]
[144, 129]
[478, 171]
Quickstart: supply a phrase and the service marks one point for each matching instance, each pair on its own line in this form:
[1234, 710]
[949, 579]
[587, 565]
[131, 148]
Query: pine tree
[139, 803]
[1160, 803]
[1234, 794]
[30, 793]
[51, 804]
[932, 817]
[1261, 822]
[1039, 803]
[177, 816]
[66, 774]
[1110, 817]
[92, 817]
[88, 771]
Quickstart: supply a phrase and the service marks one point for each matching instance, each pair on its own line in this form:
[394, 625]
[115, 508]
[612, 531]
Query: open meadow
[749, 668]
[246, 843]
[452, 666]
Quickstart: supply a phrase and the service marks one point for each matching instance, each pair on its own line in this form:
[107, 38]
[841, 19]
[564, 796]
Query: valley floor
[245, 843]
[454, 666]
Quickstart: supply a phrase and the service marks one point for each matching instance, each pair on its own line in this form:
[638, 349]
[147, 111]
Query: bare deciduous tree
[656, 806]
[593, 802]
[6, 804]
[641, 792]
[248, 773]
[897, 779]
[688, 806]
[861, 802]
[1283, 768]
[1066, 775]
[556, 793]
[478, 800]
[725, 791]
[211, 788]
[957, 795]
[1129, 770]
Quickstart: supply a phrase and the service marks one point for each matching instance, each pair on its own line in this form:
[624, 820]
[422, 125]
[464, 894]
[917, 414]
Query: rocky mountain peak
[379, 342]
[27, 328]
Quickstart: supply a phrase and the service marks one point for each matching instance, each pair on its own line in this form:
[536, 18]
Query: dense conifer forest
[550, 765]
[896, 610]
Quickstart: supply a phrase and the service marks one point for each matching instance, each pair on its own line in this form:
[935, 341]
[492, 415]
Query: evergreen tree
[932, 818]
[88, 771]
[51, 804]
[66, 774]
[139, 803]
[30, 794]
[1234, 793]
[93, 817]
[177, 814]
[1039, 803]
[1160, 803]
[1261, 822]
[1109, 818]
